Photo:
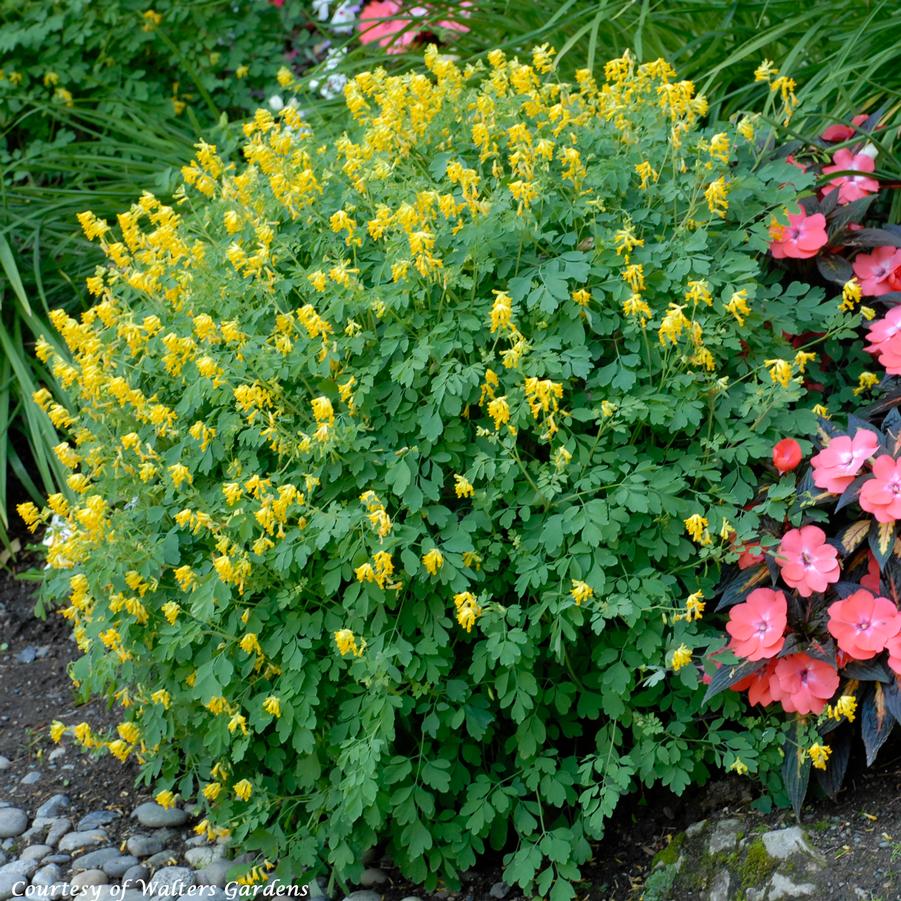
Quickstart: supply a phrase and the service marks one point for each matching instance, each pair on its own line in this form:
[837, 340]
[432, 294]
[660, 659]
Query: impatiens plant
[401, 464]
[823, 641]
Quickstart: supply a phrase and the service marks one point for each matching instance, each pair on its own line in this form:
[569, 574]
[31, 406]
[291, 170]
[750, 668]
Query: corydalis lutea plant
[384, 452]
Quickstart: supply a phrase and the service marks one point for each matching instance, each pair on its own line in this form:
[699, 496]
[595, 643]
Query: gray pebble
[75, 841]
[137, 873]
[12, 822]
[56, 753]
[54, 807]
[373, 876]
[88, 877]
[12, 874]
[58, 858]
[35, 852]
[201, 857]
[31, 778]
[173, 880]
[5, 763]
[195, 840]
[7, 843]
[499, 890]
[34, 836]
[165, 858]
[153, 815]
[117, 867]
[47, 875]
[410, 898]
[58, 828]
[145, 845]
[94, 860]
[214, 873]
[364, 895]
[97, 819]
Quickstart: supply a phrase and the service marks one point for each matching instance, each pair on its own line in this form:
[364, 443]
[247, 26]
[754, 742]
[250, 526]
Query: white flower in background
[344, 17]
[321, 8]
[57, 531]
[334, 83]
[276, 104]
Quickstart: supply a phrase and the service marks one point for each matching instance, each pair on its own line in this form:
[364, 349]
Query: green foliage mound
[395, 459]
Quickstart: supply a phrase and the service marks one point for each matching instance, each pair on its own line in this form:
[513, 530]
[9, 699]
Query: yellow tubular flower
[819, 755]
[166, 799]
[243, 790]
[433, 561]
[681, 657]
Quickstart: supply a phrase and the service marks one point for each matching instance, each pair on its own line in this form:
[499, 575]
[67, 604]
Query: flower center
[864, 625]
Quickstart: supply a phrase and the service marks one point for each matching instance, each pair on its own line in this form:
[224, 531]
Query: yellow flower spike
[681, 657]
[581, 591]
[250, 644]
[433, 560]
[243, 790]
[57, 730]
[851, 295]
[819, 755]
[211, 791]
[696, 526]
[739, 766]
[462, 486]
[347, 643]
[272, 706]
[738, 306]
[165, 799]
[468, 609]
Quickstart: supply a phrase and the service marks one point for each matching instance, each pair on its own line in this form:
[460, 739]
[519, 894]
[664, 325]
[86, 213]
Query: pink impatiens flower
[801, 238]
[881, 495]
[893, 646]
[803, 684]
[757, 626]
[835, 134]
[807, 563]
[851, 187]
[837, 464]
[862, 624]
[885, 341]
[380, 22]
[879, 272]
[758, 685]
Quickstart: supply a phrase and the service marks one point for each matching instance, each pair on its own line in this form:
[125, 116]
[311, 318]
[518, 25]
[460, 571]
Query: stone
[153, 815]
[35, 852]
[201, 857]
[88, 877]
[31, 778]
[364, 895]
[54, 807]
[5, 763]
[97, 819]
[56, 753]
[13, 821]
[57, 858]
[499, 890]
[117, 867]
[137, 873]
[94, 860]
[145, 845]
[75, 841]
[315, 891]
[58, 828]
[373, 876]
[784, 843]
[696, 829]
[783, 887]
[12, 875]
[214, 873]
[171, 881]
[165, 858]
[719, 890]
[33, 836]
[195, 840]
[47, 875]
[411, 898]
[723, 836]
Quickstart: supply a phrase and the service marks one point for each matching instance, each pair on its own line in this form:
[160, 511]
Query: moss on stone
[667, 857]
[755, 866]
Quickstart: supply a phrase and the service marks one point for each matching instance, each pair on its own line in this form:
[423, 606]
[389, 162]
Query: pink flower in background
[803, 684]
[757, 626]
[879, 272]
[851, 187]
[751, 555]
[806, 562]
[786, 455]
[881, 495]
[835, 134]
[871, 581]
[893, 646]
[885, 341]
[801, 238]
[381, 23]
[862, 624]
[837, 464]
